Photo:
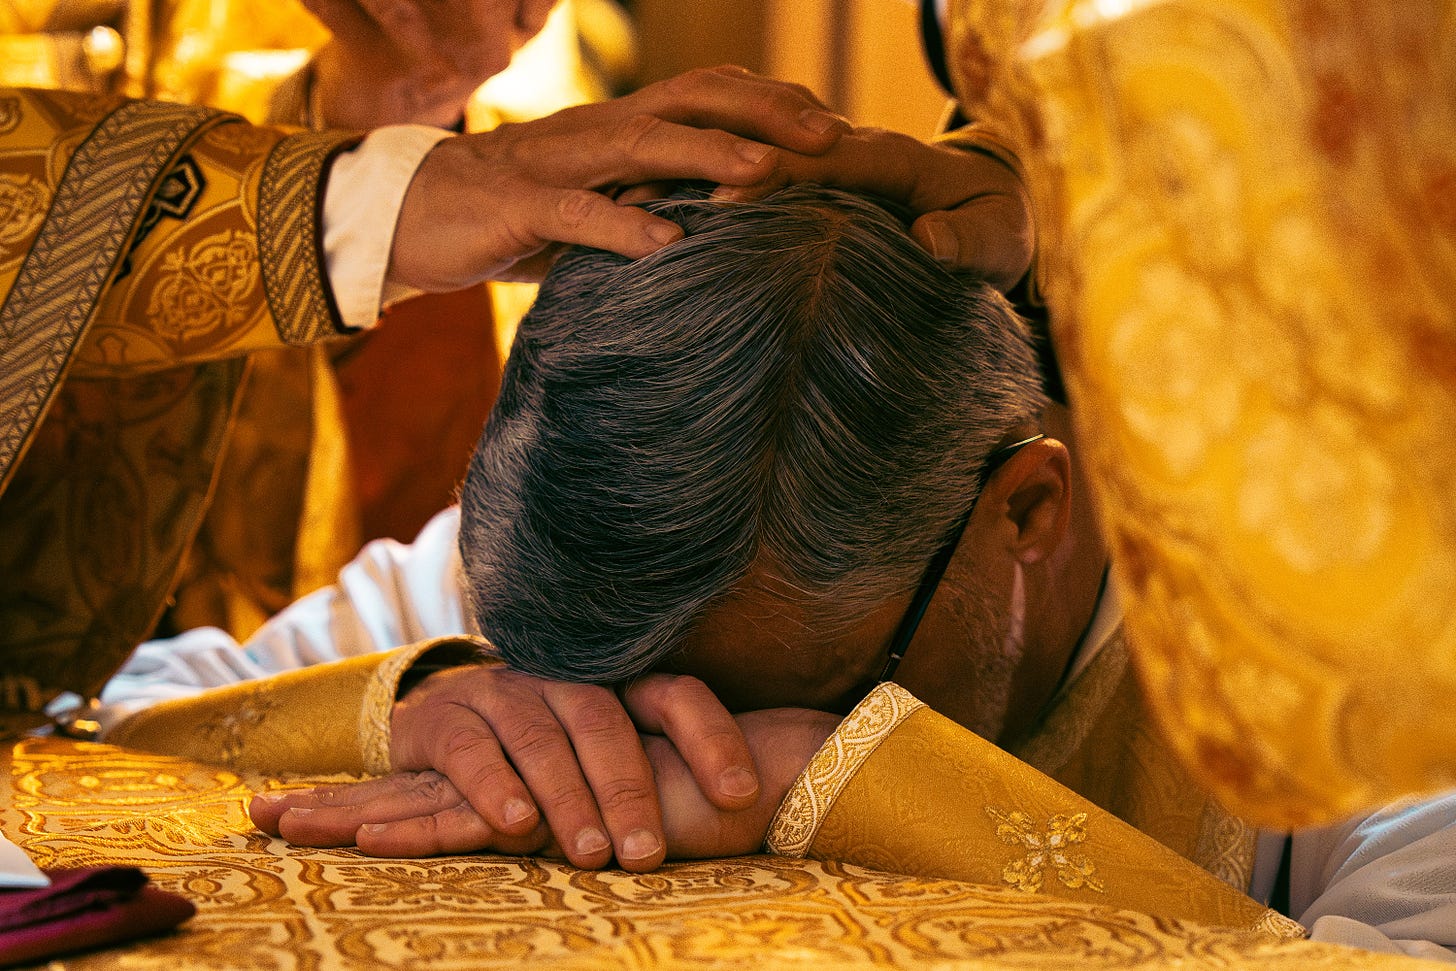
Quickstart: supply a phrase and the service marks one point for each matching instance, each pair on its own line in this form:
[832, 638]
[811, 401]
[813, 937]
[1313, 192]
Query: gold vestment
[1248, 252]
[896, 788]
[146, 250]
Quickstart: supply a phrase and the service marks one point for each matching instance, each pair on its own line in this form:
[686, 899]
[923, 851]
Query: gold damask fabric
[241, 272]
[902, 789]
[134, 233]
[263, 904]
[1248, 248]
[73, 231]
[327, 718]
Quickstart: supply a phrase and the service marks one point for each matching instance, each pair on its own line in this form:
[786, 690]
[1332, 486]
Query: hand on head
[496, 204]
[484, 205]
[396, 61]
[973, 212]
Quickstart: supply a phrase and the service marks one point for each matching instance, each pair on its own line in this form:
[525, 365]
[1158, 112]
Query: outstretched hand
[424, 813]
[396, 61]
[483, 205]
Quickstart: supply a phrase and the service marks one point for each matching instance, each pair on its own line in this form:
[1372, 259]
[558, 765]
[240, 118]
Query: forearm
[326, 719]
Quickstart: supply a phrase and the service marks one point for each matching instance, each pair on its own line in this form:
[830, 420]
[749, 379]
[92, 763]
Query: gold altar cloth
[263, 904]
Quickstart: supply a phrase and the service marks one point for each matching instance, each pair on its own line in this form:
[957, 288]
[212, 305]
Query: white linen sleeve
[1385, 882]
[388, 596]
[362, 200]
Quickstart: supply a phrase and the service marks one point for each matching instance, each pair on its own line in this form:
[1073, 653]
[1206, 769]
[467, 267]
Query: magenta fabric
[84, 908]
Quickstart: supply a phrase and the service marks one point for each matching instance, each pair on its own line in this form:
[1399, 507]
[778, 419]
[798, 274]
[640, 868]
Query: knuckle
[564, 792]
[533, 739]
[688, 82]
[575, 207]
[684, 690]
[620, 794]
[634, 131]
[429, 829]
[595, 708]
[717, 739]
[432, 787]
[465, 756]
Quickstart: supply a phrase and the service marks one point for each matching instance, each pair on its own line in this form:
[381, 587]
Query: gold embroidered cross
[1049, 849]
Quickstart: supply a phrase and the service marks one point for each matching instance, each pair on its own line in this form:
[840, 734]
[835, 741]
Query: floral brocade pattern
[264, 905]
[1050, 848]
[1249, 256]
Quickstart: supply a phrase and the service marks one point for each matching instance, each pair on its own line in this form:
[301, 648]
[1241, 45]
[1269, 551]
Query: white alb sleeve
[362, 200]
[388, 596]
[1384, 882]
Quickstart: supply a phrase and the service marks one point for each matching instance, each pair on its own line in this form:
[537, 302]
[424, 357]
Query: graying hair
[795, 389]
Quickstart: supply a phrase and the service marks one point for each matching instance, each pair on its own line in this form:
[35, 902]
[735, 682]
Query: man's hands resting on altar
[533, 766]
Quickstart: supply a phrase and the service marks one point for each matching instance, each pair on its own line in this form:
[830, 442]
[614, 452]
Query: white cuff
[361, 206]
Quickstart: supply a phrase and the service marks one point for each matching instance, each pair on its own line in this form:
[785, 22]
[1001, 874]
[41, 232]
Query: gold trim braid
[290, 246]
[383, 689]
[93, 216]
[808, 803]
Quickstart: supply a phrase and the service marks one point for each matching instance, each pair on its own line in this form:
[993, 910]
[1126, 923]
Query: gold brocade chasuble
[1248, 250]
[146, 249]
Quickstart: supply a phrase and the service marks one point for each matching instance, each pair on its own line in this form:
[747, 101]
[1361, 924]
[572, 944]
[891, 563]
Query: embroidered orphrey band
[289, 248]
[97, 206]
[819, 785]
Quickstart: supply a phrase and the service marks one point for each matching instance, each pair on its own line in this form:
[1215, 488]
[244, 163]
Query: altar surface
[264, 904]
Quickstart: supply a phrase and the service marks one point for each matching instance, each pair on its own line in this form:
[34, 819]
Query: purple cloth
[84, 908]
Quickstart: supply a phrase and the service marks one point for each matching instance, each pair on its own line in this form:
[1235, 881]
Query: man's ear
[1033, 491]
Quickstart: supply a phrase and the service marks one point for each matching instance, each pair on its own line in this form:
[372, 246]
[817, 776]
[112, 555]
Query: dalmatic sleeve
[321, 720]
[140, 234]
[229, 257]
[903, 789]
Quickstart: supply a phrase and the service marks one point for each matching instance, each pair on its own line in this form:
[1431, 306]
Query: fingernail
[269, 799]
[374, 829]
[820, 122]
[737, 782]
[944, 245]
[664, 233]
[518, 810]
[753, 151]
[591, 841]
[639, 845]
[299, 811]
